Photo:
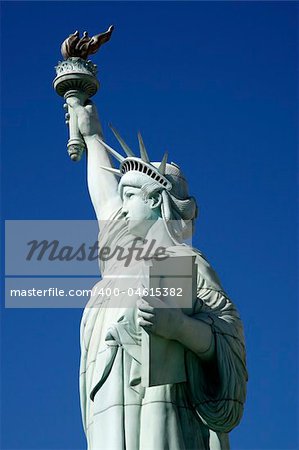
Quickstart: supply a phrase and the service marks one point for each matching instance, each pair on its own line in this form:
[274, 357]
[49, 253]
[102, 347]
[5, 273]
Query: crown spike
[110, 169]
[143, 152]
[116, 155]
[127, 149]
[162, 166]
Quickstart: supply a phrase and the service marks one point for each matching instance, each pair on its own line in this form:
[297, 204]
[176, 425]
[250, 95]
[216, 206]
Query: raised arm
[102, 184]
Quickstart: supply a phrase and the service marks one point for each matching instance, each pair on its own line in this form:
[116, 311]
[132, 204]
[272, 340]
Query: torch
[76, 76]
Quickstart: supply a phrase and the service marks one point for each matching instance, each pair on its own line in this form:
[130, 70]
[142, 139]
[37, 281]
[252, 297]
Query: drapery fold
[118, 413]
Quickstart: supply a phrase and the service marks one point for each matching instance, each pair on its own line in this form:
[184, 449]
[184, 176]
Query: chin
[136, 233]
[137, 230]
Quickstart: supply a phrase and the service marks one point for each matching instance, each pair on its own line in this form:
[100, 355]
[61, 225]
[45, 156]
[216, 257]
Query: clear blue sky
[216, 85]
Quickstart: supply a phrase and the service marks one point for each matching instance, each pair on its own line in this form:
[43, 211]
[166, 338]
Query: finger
[70, 101]
[146, 316]
[89, 102]
[144, 306]
[144, 323]
[74, 103]
[154, 302]
[91, 108]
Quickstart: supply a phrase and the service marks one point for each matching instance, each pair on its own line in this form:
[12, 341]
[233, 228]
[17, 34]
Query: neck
[158, 233]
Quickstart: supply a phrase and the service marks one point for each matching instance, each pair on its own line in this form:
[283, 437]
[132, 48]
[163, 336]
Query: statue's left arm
[214, 353]
[172, 323]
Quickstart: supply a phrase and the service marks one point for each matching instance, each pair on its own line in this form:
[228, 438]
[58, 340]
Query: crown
[140, 164]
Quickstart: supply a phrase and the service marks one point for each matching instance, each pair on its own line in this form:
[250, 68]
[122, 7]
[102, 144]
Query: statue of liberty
[147, 200]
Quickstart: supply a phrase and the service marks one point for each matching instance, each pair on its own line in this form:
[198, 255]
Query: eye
[129, 194]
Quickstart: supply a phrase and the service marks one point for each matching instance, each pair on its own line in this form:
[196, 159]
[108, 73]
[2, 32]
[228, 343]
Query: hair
[178, 209]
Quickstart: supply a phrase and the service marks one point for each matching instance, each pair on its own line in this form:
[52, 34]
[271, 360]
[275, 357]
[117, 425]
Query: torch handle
[76, 144]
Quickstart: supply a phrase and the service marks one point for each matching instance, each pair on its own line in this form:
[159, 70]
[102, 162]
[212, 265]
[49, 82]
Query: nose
[124, 211]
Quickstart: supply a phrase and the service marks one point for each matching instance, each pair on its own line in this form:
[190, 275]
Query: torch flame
[74, 46]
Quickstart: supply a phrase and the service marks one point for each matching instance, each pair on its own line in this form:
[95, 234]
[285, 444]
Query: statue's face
[139, 213]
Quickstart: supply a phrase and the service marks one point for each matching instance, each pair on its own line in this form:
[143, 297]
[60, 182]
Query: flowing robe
[117, 412]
